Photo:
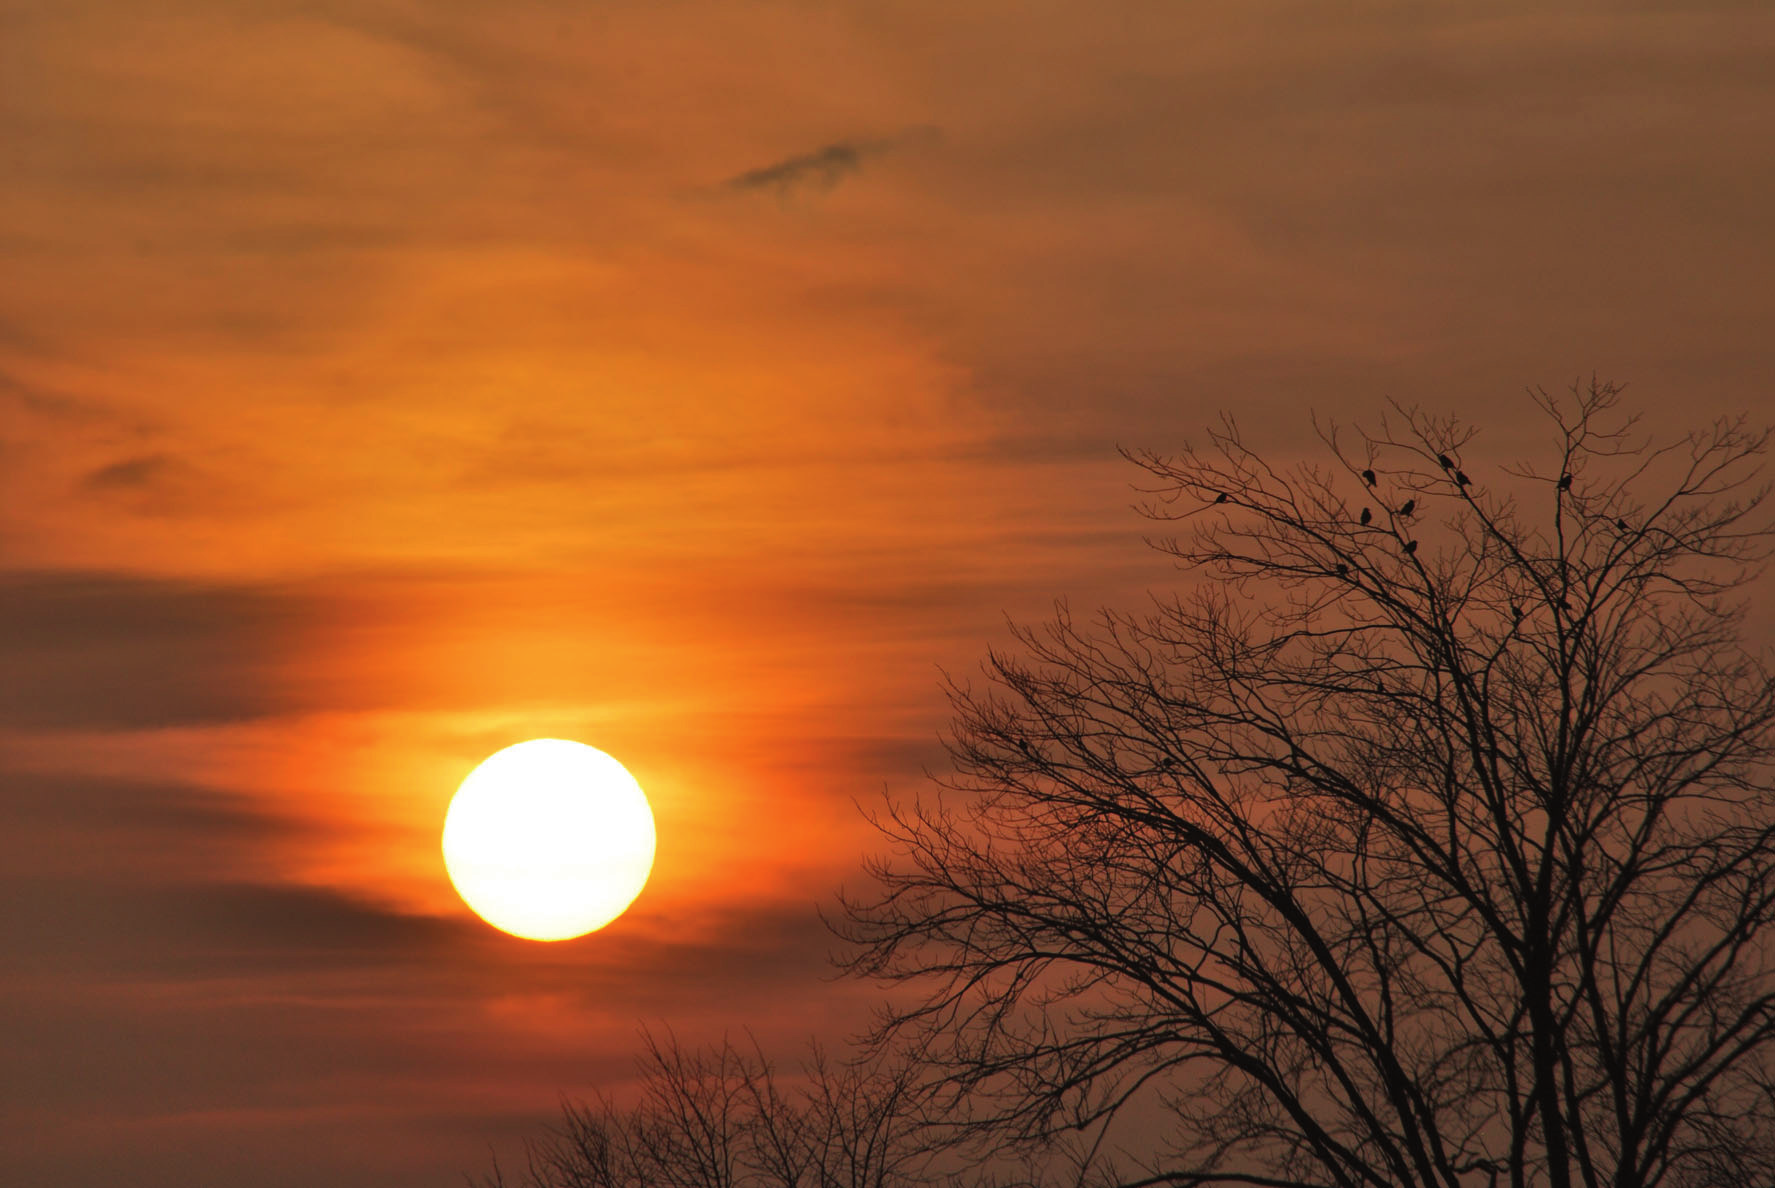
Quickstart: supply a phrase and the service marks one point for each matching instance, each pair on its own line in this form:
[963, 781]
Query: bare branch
[1429, 839]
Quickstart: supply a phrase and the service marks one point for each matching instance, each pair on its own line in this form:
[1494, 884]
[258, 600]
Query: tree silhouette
[1364, 863]
[725, 1117]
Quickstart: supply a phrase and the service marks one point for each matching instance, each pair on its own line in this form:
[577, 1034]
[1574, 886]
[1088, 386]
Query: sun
[549, 839]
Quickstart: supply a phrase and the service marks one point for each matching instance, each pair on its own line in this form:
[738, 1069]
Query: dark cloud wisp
[112, 651]
[824, 168]
[130, 473]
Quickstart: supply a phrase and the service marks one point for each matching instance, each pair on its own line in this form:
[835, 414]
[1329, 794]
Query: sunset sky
[383, 382]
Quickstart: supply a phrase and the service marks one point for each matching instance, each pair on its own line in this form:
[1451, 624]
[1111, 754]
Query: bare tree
[1428, 839]
[724, 1117]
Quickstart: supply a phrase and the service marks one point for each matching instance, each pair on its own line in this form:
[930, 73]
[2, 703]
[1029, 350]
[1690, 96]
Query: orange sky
[385, 381]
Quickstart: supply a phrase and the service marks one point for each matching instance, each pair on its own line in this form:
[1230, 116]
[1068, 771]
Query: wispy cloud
[130, 474]
[824, 168]
[40, 402]
[101, 651]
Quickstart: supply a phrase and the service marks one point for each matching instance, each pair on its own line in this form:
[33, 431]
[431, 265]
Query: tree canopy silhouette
[1360, 863]
[725, 1116]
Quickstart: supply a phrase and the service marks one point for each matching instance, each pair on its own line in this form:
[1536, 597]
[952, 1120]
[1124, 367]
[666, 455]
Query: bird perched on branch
[1565, 482]
[1411, 546]
[1368, 477]
[1409, 506]
[1366, 516]
[1461, 478]
[1445, 461]
[1343, 570]
[1220, 498]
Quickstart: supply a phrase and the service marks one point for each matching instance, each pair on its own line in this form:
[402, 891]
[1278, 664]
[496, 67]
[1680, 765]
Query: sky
[383, 382]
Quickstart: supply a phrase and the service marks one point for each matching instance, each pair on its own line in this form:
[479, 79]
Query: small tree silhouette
[724, 1116]
[1430, 841]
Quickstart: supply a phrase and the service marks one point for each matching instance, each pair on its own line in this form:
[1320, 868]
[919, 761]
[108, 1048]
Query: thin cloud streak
[821, 170]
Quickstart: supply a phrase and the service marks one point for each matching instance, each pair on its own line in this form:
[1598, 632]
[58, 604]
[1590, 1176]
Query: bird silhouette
[1446, 462]
[1565, 482]
[1343, 570]
[1411, 546]
[1368, 477]
[1220, 498]
[1461, 478]
[1409, 507]
[1621, 524]
[1515, 611]
[1366, 515]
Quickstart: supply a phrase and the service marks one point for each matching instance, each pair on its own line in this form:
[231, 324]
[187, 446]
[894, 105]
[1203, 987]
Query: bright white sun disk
[549, 839]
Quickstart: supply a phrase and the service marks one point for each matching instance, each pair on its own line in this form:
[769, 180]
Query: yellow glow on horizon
[549, 839]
